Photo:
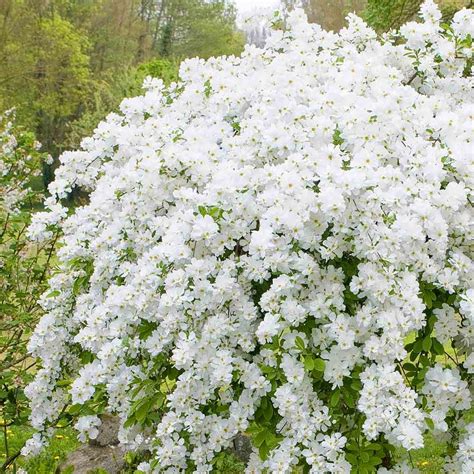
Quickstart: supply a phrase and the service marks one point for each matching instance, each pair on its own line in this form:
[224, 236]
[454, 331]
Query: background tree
[330, 14]
[44, 71]
[386, 14]
[380, 14]
[66, 63]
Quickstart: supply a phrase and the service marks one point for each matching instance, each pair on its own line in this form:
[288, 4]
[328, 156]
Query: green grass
[430, 458]
[62, 443]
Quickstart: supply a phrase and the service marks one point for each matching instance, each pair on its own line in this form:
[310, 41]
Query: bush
[24, 268]
[281, 245]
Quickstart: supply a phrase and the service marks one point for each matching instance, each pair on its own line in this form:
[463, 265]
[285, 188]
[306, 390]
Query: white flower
[447, 324]
[204, 228]
[410, 436]
[88, 427]
[462, 23]
[467, 304]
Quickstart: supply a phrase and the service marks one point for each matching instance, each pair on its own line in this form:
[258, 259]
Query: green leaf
[75, 409]
[417, 347]
[143, 409]
[319, 365]
[427, 298]
[309, 363]
[375, 460]
[263, 451]
[430, 323]
[337, 137]
[207, 88]
[425, 362]
[352, 458]
[160, 400]
[259, 439]
[335, 398]
[349, 399]
[299, 343]
[430, 423]
[375, 446]
[352, 446]
[268, 411]
[437, 347]
[426, 344]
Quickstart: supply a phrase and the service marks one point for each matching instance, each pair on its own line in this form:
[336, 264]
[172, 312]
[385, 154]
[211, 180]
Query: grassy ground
[429, 459]
[64, 442]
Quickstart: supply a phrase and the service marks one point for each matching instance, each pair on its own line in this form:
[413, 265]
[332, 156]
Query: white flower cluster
[445, 390]
[463, 461]
[263, 237]
[15, 172]
[88, 427]
[390, 407]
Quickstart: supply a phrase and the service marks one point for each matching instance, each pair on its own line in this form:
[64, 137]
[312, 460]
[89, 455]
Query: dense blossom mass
[17, 167]
[281, 245]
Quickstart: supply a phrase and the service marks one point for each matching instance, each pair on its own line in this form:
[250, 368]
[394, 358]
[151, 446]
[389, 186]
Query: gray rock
[89, 458]
[242, 447]
[108, 432]
[100, 453]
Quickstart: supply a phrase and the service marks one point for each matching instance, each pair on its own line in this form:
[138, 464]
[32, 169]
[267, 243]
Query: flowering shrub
[24, 268]
[279, 245]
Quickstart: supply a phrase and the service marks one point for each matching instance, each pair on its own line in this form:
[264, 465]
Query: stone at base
[89, 458]
[108, 431]
[242, 448]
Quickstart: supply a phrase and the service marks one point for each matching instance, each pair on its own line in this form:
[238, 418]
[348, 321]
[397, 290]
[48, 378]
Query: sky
[248, 5]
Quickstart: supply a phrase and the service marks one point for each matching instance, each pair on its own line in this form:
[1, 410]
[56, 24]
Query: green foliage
[44, 74]
[66, 64]
[384, 15]
[209, 31]
[165, 69]
[329, 14]
[24, 268]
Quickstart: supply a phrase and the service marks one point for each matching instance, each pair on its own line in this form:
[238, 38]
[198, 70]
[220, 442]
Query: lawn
[62, 443]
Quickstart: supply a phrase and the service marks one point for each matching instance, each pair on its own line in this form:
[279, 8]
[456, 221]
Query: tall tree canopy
[60, 59]
[380, 14]
[386, 14]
